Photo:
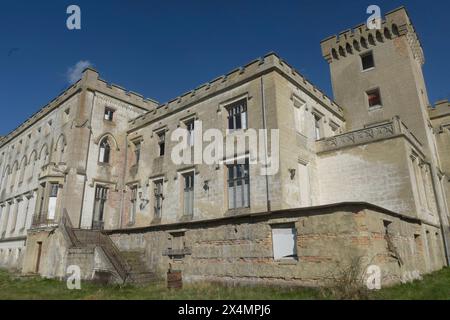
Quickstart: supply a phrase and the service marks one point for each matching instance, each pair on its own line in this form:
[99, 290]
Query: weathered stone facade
[353, 179]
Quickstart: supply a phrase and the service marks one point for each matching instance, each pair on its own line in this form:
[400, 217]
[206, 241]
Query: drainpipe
[122, 196]
[441, 210]
[87, 156]
[263, 109]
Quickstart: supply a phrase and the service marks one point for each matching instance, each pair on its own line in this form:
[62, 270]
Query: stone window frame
[181, 177]
[299, 104]
[108, 113]
[376, 106]
[222, 108]
[319, 118]
[234, 161]
[152, 184]
[366, 54]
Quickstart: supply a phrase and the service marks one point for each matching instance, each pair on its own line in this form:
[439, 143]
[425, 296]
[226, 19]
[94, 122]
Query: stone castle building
[89, 179]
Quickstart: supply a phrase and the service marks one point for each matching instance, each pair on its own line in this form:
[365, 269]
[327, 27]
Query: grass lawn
[434, 286]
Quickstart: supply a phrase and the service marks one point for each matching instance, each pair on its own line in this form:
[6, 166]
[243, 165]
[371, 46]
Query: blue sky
[164, 48]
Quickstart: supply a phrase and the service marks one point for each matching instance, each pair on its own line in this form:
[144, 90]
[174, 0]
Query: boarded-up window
[284, 239]
[133, 200]
[304, 185]
[158, 198]
[299, 116]
[52, 201]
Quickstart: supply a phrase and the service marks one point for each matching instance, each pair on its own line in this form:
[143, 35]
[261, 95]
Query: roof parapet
[89, 79]
[235, 76]
[440, 109]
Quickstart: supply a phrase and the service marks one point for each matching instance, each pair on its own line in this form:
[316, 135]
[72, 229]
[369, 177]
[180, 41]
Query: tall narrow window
[317, 127]
[299, 111]
[158, 198]
[238, 185]
[133, 200]
[367, 61]
[52, 201]
[237, 115]
[374, 98]
[41, 199]
[137, 152]
[109, 114]
[188, 194]
[284, 241]
[303, 177]
[105, 150]
[101, 194]
[161, 143]
[190, 130]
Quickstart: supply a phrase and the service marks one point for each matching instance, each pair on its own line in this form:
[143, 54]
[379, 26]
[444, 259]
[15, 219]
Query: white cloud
[74, 72]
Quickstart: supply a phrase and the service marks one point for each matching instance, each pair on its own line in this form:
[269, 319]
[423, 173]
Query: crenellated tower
[377, 74]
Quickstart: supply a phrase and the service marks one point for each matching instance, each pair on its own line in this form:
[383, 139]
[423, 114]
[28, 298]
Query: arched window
[371, 40]
[341, 51]
[356, 45]
[105, 151]
[60, 148]
[5, 179]
[348, 47]
[14, 170]
[334, 54]
[379, 36]
[363, 43]
[22, 169]
[387, 33]
[395, 30]
[32, 164]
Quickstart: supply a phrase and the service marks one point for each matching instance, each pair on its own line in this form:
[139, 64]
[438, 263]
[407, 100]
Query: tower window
[374, 98]
[109, 114]
[367, 61]
[237, 115]
[161, 143]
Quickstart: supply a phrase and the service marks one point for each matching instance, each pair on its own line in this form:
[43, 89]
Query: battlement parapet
[348, 42]
[255, 68]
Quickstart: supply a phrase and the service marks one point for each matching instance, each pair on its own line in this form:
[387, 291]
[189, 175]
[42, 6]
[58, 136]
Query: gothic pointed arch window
[105, 151]
[23, 166]
[60, 149]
